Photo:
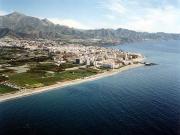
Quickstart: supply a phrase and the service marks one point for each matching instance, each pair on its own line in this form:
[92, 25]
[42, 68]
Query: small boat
[149, 64]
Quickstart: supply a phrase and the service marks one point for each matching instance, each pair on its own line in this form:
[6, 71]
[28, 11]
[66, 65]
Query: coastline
[28, 92]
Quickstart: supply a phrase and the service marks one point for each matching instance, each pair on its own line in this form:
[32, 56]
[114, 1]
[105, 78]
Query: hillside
[20, 25]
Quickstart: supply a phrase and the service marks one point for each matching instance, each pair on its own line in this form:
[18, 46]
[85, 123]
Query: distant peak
[47, 21]
[15, 13]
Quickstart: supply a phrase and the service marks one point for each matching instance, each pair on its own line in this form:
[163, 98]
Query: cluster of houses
[79, 54]
[94, 56]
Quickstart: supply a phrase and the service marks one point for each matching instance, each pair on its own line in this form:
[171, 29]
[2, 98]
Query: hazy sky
[141, 15]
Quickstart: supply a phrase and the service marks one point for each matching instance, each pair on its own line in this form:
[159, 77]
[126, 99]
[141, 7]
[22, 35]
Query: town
[26, 64]
[76, 53]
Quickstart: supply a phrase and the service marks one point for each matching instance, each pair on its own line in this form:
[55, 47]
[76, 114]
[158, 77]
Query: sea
[140, 101]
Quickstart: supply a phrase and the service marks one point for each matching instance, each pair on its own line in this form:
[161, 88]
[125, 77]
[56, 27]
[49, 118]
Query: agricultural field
[6, 89]
[34, 79]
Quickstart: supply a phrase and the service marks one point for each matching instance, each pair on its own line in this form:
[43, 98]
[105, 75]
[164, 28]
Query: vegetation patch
[40, 67]
[68, 65]
[6, 71]
[6, 89]
[39, 79]
[3, 78]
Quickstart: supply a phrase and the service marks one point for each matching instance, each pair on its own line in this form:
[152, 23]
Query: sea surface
[141, 101]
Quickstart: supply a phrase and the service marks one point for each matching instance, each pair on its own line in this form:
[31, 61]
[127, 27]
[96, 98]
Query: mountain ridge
[31, 27]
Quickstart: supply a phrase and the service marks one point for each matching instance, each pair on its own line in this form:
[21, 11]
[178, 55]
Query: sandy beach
[58, 85]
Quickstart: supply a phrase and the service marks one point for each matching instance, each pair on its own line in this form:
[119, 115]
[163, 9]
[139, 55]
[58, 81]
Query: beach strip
[58, 85]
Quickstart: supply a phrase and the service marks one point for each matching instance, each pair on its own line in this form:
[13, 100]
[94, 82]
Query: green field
[51, 67]
[6, 89]
[43, 78]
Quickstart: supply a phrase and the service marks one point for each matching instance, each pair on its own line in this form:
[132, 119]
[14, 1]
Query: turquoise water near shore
[141, 101]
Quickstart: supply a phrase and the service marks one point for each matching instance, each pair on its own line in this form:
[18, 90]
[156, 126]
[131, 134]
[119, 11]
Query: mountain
[33, 27]
[8, 32]
[24, 26]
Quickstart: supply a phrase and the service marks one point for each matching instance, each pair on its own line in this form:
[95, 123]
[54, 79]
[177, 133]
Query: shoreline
[29, 92]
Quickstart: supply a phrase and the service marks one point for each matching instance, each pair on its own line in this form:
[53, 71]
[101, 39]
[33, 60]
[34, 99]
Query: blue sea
[141, 101]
